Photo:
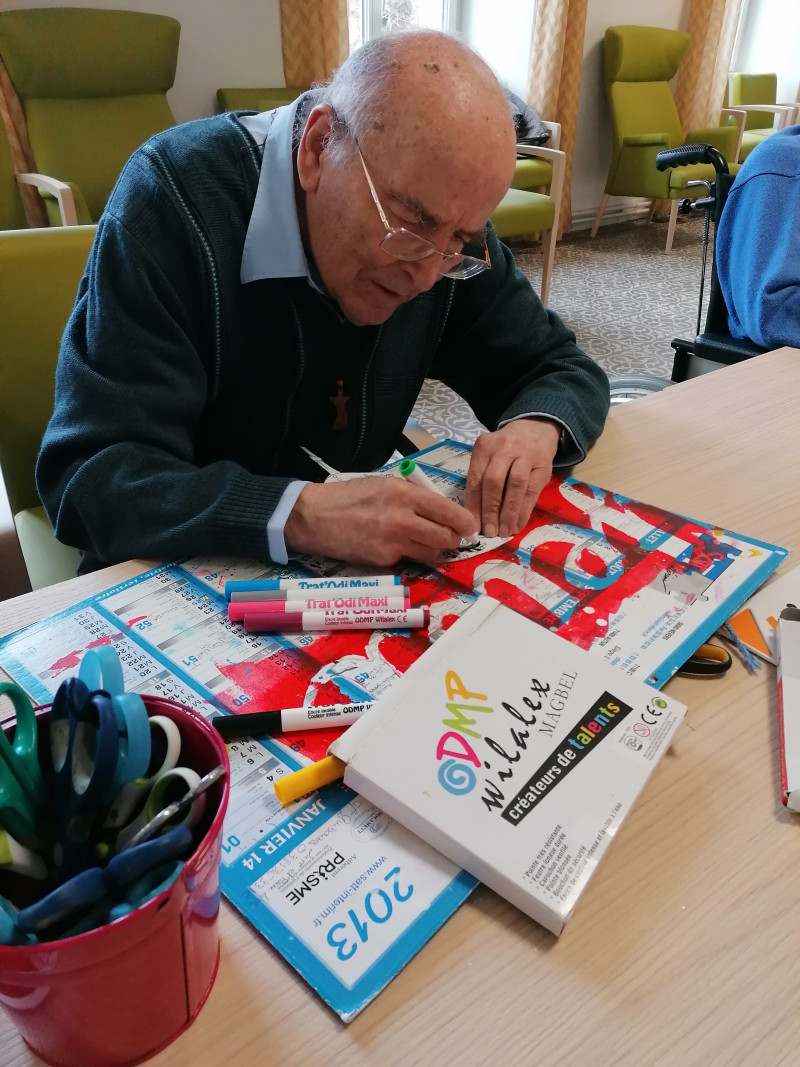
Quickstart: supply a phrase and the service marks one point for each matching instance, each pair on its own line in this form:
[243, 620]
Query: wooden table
[685, 948]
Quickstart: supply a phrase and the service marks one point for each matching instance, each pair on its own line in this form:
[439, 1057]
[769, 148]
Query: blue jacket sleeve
[758, 255]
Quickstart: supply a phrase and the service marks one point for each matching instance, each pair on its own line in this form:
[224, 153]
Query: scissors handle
[101, 669]
[165, 747]
[84, 748]
[22, 754]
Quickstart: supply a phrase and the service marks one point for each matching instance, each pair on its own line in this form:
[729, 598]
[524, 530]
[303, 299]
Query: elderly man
[265, 284]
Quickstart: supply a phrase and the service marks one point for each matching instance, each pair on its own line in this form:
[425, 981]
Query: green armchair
[755, 94]
[39, 274]
[523, 212]
[92, 84]
[639, 63]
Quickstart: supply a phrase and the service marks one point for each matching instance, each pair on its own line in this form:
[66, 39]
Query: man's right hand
[376, 521]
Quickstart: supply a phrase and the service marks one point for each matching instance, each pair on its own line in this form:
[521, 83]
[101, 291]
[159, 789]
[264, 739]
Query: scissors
[84, 749]
[165, 749]
[101, 670]
[10, 933]
[184, 806]
[88, 899]
[169, 788]
[707, 660]
[22, 789]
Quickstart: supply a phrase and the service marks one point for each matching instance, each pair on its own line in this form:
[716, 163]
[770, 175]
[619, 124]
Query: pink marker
[341, 619]
[254, 596]
[237, 610]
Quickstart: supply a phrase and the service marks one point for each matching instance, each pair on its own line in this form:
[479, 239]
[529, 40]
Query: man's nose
[424, 273]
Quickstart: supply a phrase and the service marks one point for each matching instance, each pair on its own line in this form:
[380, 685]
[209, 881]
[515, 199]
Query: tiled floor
[621, 294]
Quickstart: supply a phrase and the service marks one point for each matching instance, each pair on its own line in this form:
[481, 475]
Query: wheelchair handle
[685, 154]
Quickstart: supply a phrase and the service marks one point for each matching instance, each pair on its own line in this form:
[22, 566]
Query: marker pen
[417, 476]
[414, 474]
[255, 596]
[319, 717]
[259, 585]
[238, 609]
[307, 779]
[344, 619]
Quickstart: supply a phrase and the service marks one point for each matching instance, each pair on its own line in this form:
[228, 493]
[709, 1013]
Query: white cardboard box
[514, 753]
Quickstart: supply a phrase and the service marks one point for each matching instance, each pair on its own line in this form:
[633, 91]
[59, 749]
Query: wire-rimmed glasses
[401, 243]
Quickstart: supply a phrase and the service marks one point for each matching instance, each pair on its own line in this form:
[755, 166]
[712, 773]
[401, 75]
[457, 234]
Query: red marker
[239, 609]
[343, 619]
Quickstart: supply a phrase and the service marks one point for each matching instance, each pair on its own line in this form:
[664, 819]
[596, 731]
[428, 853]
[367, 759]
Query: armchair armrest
[736, 117]
[558, 160]
[725, 138]
[555, 133]
[60, 190]
[646, 140]
[783, 112]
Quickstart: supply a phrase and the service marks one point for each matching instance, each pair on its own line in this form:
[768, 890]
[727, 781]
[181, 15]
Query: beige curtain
[554, 77]
[703, 75]
[314, 39]
[21, 155]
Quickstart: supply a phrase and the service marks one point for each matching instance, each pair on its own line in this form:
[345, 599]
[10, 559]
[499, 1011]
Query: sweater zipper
[364, 394]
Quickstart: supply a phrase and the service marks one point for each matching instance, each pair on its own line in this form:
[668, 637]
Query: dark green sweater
[182, 396]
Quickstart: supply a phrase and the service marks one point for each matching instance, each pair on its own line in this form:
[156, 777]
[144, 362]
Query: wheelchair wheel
[627, 387]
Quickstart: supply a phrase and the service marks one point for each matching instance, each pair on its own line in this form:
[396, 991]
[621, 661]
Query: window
[371, 18]
[767, 41]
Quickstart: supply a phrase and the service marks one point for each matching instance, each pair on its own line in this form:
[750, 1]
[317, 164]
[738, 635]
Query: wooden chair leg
[673, 218]
[652, 211]
[599, 215]
[548, 258]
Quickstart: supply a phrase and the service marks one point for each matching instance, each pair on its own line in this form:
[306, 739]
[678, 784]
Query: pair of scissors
[188, 807]
[84, 749]
[101, 670]
[96, 896]
[165, 750]
[10, 933]
[22, 790]
[180, 792]
[707, 660]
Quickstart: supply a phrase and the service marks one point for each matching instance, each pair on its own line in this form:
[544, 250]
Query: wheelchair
[714, 347]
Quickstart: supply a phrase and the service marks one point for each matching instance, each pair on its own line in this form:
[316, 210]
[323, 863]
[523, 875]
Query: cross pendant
[340, 403]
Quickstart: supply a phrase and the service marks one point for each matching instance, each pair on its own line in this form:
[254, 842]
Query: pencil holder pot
[119, 993]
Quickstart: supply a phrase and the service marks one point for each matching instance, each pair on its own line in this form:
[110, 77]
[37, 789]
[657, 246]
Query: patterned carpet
[621, 294]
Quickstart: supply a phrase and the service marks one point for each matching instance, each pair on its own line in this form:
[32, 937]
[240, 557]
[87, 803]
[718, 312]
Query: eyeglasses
[401, 243]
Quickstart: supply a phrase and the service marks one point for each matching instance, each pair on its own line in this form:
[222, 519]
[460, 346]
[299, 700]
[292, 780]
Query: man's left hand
[508, 470]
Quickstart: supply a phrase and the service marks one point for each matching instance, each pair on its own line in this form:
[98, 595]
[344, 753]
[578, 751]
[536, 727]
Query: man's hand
[376, 521]
[508, 470]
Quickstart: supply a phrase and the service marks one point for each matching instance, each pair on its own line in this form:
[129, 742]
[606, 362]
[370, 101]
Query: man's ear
[312, 145]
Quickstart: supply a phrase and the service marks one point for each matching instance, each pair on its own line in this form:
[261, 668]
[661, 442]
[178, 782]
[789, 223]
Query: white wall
[769, 42]
[223, 43]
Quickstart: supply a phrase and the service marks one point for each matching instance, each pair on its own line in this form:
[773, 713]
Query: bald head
[422, 91]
